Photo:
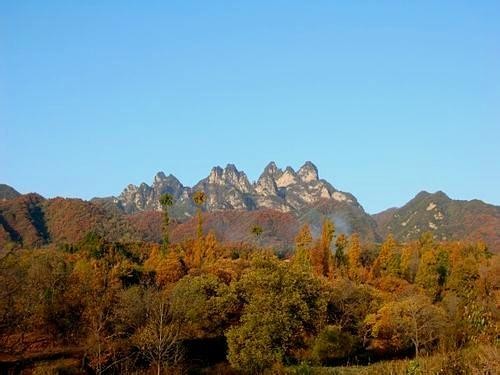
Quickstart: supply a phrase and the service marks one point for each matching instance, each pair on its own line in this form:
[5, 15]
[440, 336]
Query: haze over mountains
[280, 201]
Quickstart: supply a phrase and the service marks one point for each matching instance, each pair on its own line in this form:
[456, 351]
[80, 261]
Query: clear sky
[387, 98]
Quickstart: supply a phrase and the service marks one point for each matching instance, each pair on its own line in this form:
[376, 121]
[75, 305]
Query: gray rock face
[228, 188]
[145, 197]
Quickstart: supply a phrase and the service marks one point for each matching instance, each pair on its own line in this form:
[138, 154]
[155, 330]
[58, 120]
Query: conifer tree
[303, 242]
[387, 261]
[340, 246]
[166, 201]
[257, 232]
[199, 199]
[321, 255]
[354, 256]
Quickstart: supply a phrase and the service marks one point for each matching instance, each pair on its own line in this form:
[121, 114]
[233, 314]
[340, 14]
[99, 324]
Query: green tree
[282, 307]
[332, 343]
[204, 305]
[340, 246]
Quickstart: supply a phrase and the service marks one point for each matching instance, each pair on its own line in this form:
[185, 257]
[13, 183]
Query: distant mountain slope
[22, 221]
[446, 218]
[32, 221]
[347, 218]
[8, 192]
[279, 228]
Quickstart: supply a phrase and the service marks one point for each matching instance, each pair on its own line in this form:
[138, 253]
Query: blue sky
[386, 98]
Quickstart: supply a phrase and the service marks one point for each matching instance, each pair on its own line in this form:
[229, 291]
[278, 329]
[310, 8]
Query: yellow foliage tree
[354, 257]
[169, 267]
[387, 262]
[321, 255]
[414, 321]
[303, 242]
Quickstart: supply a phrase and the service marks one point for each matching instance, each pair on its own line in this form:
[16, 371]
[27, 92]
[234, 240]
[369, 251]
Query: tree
[100, 287]
[203, 251]
[166, 201]
[159, 339]
[283, 306]
[387, 262]
[13, 303]
[168, 268]
[340, 245]
[410, 258]
[432, 271]
[349, 303]
[354, 257]
[256, 231]
[204, 305]
[211, 247]
[413, 321]
[303, 242]
[54, 305]
[321, 255]
[332, 343]
[198, 199]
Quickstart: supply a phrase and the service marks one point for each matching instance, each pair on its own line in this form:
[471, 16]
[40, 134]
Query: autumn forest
[334, 304]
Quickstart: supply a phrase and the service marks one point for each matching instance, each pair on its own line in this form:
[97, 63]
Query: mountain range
[280, 201]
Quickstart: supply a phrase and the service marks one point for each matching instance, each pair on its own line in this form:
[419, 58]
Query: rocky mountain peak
[216, 176]
[289, 177]
[272, 170]
[228, 188]
[232, 175]
[229, 176]
[308, 172]
[160, 176]
[266, 184]
[237, 178]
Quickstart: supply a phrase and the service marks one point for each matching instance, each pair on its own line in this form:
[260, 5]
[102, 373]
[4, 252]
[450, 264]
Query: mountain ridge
[446, 218]
[34, 220]
[229, 188]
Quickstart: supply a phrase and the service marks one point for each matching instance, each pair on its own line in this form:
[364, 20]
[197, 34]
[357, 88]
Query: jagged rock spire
[308, 172]
[229, 188]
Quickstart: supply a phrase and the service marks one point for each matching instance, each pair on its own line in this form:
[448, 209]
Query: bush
[332, 344]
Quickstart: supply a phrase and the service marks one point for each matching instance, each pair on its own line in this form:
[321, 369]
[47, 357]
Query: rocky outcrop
[287, 191]
[144, 197]
[228, 188]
